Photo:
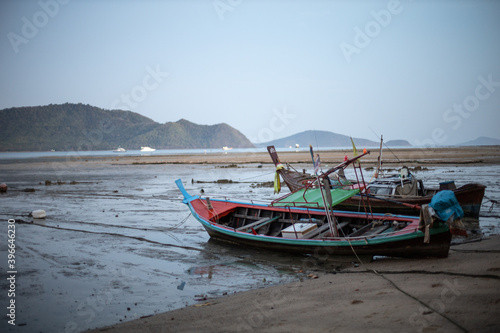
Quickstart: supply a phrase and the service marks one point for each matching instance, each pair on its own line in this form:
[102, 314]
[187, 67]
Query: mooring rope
[404, 292]
[493, 203]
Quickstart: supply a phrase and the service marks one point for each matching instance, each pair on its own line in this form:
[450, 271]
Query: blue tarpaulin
[445, 204]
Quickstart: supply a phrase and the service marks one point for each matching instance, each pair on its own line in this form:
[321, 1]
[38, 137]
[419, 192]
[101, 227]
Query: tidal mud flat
[118, 244]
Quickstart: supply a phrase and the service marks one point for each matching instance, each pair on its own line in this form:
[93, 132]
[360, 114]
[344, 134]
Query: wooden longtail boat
[314, 230]
[398, 194]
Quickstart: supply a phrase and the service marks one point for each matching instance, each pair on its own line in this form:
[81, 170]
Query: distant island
[77, 127]
[482, 141]
[328, 139]
[68, 127]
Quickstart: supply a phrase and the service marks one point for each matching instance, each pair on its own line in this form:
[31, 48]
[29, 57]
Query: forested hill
[83, 127]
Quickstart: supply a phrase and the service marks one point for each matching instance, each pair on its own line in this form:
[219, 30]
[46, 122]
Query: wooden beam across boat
[258, 224]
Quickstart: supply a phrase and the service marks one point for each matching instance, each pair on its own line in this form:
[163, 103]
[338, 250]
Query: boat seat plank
[267, 222]
[360, 231]
[325, 232]
[249, 217]
[315, 232]
[257, 224]
[252, 224]
[376, 230]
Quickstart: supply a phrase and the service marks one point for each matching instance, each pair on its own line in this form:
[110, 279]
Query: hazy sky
[424, 71]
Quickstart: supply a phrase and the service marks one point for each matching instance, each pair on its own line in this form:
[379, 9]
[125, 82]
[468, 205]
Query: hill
[185, 135]
[83, 127]
[397, 143]
[482, 141]
[320, 139]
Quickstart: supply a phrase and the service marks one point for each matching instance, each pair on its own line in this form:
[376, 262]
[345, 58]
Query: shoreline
[480, 155]
[454, 294]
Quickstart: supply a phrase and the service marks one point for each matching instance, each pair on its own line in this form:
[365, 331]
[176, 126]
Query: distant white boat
[226, 148]
[147, 149]
[119, 150]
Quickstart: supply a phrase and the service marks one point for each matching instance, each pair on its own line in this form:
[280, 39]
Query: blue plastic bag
[445, 204]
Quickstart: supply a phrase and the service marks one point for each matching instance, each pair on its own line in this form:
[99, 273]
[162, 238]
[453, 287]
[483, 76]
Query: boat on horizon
[147, 149]
[119, 150]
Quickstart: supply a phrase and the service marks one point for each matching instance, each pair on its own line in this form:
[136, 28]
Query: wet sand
[480, 155]
[460, 293]
[456, 294]
[431, 156]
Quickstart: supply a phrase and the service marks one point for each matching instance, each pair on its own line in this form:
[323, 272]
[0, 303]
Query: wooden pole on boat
[326, 195]
[328, 202]
[344, 164]
[379, 167]
[312, 158]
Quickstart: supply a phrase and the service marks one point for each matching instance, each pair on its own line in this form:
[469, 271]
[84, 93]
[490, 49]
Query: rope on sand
[493, 203]
[407, 294]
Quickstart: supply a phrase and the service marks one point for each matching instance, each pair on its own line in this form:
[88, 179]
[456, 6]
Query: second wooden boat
[400, 194]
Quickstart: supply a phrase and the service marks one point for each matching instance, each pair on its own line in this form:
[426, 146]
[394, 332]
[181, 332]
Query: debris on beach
[59, 182]
[232, 165]
[203, 304]
[38, 214]
[181, 286]
[201, 297]
[218, 181]
[269, 184]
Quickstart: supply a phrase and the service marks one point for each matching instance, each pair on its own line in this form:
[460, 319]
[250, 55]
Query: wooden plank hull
[413, 247]
[469, 196]
[221, 219]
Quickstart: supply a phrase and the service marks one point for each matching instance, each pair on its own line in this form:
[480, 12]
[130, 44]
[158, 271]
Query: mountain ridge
[327, 139]
[84, 127]
[72, 126]
[482, 141]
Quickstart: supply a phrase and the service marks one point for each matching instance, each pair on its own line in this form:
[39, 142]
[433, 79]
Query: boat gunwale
[321, 211]
[399, 235]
